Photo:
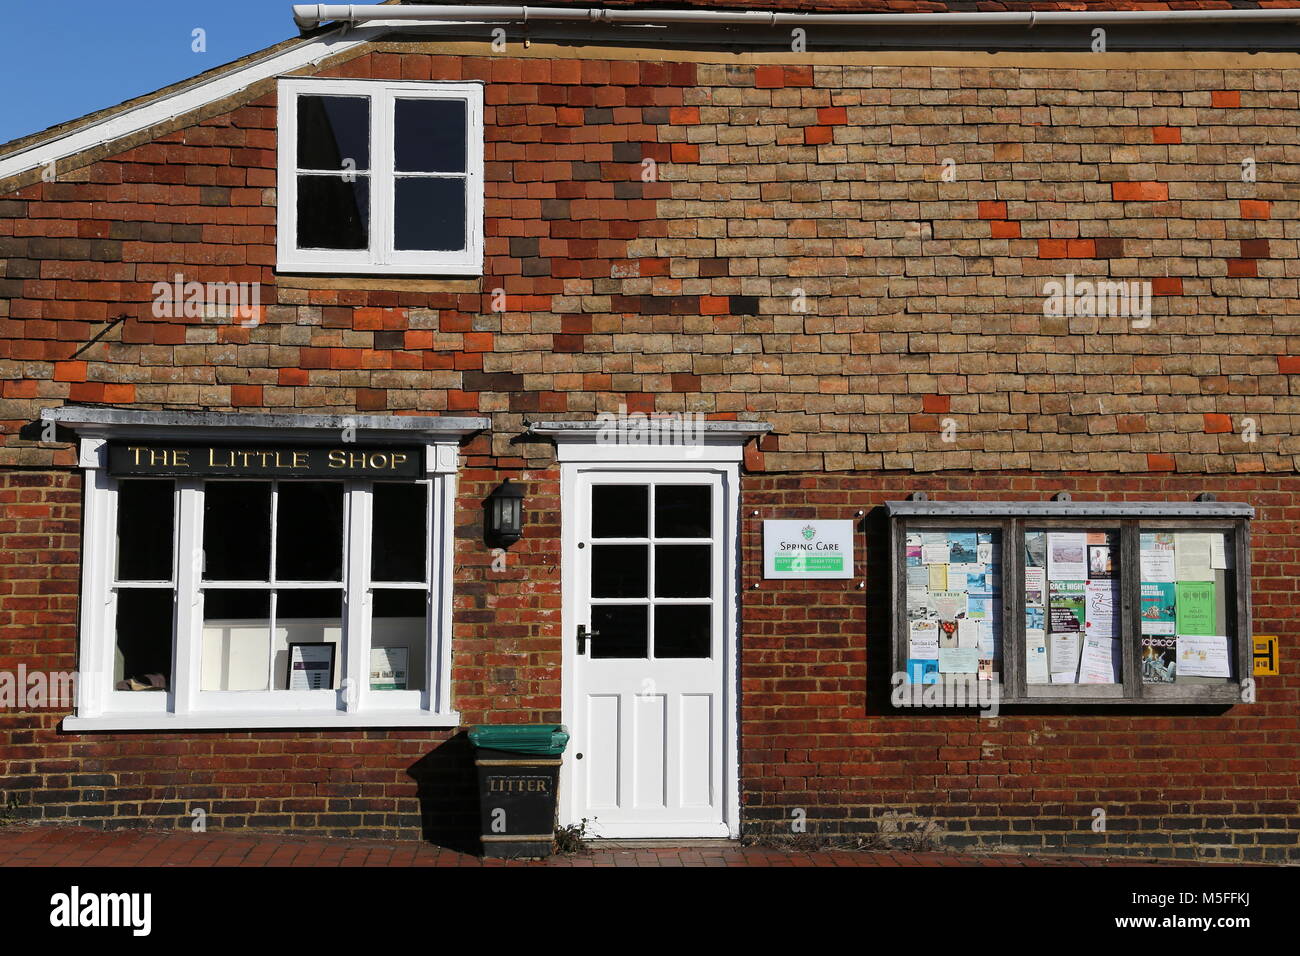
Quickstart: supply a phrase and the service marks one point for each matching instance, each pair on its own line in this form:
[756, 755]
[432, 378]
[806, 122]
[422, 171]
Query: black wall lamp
[506, 513]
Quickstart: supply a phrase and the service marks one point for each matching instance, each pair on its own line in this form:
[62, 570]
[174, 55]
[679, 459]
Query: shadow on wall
[447, 789]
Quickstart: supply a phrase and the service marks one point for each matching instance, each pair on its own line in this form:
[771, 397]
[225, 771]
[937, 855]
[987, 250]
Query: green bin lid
[537, 739]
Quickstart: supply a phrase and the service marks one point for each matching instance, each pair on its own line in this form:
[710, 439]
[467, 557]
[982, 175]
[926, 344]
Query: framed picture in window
[311, 666]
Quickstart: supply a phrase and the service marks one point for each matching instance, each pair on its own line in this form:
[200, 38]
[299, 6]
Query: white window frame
[380, 258]
[184, 706]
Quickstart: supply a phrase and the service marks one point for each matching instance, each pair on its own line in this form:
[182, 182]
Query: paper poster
[958, 660]
[1066, 604]
[1036, 549]
[1203, 656]
[1099, 663]
[388, 668]
[990, 640]
[978, 608]
[1035, 656]
[917, 576]
[923, 640]
[937, 577]
[1064, 653]
[962, 547]
[1035, 584]
[1194, 608]
[968, 633]
[1159, 654]
[984, 552]
[922, 672]
[948, 604]
[935, 552]
[1156, 607]
[1218, 551]
[1099, 608]
[984, 668]
[947, 632]
[1156, 557]
[1192, 556]
[1034, 619]
[1100, 567]
[1062, 677]
[1067, 556]
[919, 607]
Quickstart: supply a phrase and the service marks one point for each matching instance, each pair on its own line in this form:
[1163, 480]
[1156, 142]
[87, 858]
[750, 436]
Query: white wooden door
[650, 573]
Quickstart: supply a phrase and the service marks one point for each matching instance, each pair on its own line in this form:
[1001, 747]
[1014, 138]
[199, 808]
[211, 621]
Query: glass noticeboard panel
[954, 604]
[1187, 607]
[1073, 633]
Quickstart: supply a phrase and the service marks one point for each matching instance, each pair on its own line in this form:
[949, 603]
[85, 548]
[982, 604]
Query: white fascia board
[142, 117]
[102, 422]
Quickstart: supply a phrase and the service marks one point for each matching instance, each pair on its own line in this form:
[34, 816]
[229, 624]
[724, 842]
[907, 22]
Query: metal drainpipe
[308, 15]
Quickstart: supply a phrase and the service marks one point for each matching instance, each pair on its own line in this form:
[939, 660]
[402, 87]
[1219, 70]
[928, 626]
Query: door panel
[650, 580]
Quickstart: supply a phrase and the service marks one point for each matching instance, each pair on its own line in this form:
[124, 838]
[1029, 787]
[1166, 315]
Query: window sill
[470, 268]
[374, 719]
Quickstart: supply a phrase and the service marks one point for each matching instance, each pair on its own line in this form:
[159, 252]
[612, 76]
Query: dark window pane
[429, 214]
[399, 545]
[682, 630]
[145, 511]
[404, 603]
[227, 604]
[144, 639]
[333, 213]
[309, 531]
[683, 511]
[312, 602]
[619, 570]
[621, 631]
[429, 136]
[332, 129]
[398, 639]
[237, 530]
[619, 511]
[683, 570]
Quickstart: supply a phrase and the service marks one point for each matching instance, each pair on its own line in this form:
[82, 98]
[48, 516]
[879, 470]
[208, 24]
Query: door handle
[583, 634]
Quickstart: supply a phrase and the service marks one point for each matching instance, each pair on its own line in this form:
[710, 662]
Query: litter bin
[518, 775]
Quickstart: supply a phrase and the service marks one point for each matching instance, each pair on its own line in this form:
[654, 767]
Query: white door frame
[584, 456]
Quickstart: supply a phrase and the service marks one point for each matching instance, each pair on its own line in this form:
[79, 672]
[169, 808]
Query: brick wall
[799, 258]
[819, 733]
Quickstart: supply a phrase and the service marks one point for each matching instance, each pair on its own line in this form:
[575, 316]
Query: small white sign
[808, 549]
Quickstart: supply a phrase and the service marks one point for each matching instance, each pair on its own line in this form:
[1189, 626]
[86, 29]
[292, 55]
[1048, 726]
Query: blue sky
[60, 59]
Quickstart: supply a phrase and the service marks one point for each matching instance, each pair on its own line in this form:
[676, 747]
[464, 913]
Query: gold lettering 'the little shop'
[371, 461]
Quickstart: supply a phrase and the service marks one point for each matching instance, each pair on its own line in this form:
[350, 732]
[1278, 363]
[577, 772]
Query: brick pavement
[71, 846]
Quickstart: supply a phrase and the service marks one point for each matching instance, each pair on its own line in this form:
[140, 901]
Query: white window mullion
[98, 628]
[441, 540]
[188, 654]
[357, 598]
[382, 179]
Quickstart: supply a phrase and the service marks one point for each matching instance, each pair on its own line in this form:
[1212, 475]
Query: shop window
[380, 177]
[298, 596]
[1074, 602]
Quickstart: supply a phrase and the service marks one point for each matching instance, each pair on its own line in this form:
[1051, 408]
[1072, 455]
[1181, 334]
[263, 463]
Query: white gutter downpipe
[309, 15]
